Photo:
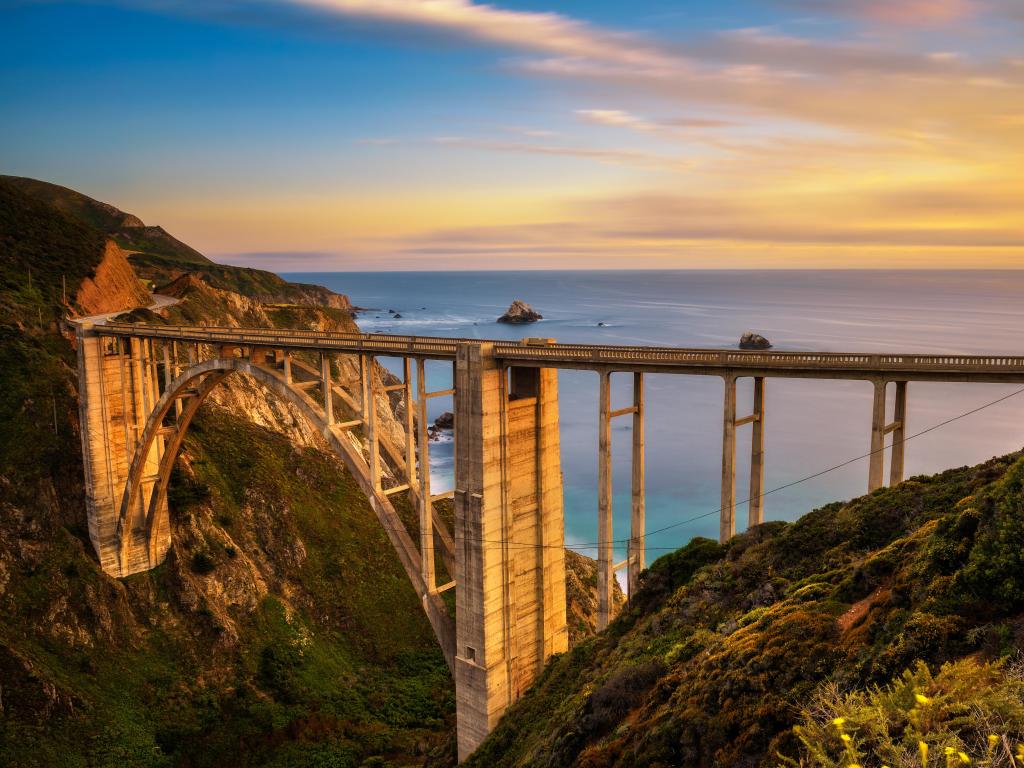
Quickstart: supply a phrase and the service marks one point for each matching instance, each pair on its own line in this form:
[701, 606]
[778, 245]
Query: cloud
[616, 118]
[536, 133]
[549, 33]
[615, 156]
[903, 12]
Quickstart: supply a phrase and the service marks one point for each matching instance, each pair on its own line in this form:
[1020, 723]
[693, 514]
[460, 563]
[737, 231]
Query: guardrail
[576, 355]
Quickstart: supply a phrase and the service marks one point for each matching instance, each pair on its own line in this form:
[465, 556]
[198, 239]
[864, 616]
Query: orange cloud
[926, 12]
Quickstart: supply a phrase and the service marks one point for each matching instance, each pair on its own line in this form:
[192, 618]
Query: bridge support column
[426, 504]
[113, 394]
[509, 536]
[876, 462]
[369, 416]
[899, 433]
[727, 513]
[325, 383]
[755, 510]
[637, 528]
[605, 549]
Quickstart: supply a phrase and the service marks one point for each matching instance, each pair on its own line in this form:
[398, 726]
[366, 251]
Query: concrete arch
[193, 386]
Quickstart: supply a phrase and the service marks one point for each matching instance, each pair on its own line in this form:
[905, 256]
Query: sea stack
[751, 340]
[520, 312]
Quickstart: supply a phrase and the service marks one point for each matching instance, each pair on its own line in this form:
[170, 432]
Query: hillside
[280, 631]
[726, 648]
[270, 636]
[159, 257]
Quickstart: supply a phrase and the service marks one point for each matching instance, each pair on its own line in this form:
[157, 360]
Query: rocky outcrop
[581, 596]
[751, 340]
[443, 423]
[112, 287]
[520, 312]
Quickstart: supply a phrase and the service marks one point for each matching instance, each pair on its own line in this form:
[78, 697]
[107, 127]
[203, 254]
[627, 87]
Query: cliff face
[112, 287]
[726, 648]
[281, 629]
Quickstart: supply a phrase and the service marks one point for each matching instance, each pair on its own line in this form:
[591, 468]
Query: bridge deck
[841, 365]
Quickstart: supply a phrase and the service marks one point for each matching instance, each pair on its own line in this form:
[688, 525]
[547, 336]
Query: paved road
[159, 302]
[539, 353]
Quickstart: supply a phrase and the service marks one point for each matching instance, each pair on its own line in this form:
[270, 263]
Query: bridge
[141, 386]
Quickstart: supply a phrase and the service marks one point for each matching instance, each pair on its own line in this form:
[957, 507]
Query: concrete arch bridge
[140, 387]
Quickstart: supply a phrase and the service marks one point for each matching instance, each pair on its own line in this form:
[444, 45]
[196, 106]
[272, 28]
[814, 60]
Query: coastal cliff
[281, 629]
[113, 286]
[896, 619]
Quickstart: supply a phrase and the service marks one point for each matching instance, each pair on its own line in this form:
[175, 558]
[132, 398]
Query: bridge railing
[576, 354]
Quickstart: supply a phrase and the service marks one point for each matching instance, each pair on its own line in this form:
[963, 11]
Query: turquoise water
[810, 425]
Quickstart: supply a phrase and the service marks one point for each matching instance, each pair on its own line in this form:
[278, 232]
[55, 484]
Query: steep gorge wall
[113, 286]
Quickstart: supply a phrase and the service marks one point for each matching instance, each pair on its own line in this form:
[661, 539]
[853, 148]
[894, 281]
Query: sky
[334, 135]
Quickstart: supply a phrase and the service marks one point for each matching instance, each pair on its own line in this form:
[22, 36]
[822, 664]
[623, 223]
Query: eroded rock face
[113, 286]
[443, 423]
[520, 312]
[751, 340]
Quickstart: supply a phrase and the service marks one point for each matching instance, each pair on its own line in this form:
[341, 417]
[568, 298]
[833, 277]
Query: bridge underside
[137, 404]
[505, 558]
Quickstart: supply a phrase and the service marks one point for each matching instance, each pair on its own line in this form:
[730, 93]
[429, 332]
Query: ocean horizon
[810, 425]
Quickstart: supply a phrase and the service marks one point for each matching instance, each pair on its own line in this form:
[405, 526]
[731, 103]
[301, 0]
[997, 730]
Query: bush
[967, 710]
[202, 563]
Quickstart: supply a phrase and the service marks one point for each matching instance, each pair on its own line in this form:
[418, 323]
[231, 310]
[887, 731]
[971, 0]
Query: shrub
[202, 563]
[968, 711]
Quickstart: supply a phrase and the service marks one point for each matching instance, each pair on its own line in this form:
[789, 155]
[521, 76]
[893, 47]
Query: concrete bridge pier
[636, 545]
[755, 510]
[509, 536]
[879, 429]
[118, 384]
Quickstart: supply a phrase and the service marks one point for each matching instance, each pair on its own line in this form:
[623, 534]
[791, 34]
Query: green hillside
[129, 231]
[159, 257]
[727, 648]
[281, 630]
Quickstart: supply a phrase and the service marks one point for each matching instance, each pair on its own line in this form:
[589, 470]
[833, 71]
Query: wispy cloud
[604, 155]
[550, 33]
[903, 12]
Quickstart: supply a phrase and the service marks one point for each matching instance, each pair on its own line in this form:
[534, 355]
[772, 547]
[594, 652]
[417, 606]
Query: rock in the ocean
[443, 423]
[751, 340]
[396, 316]
[520, 312]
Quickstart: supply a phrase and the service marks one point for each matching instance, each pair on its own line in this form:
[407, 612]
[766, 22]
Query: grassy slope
[713, 661]
[158, 256]
[325, 658]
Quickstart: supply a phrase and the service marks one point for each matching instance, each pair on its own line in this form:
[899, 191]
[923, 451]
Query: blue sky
[439, 133]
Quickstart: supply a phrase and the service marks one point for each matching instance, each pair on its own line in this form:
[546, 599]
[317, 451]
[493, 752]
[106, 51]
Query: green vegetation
[156, 255]
[723, 647]
[968, 713]
[280, 631]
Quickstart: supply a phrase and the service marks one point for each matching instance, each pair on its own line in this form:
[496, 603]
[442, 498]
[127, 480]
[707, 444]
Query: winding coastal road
[159, 302]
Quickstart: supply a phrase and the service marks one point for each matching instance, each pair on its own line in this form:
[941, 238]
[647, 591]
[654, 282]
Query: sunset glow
[449, 134]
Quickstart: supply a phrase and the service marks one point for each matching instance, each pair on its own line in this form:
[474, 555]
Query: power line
[814, 476]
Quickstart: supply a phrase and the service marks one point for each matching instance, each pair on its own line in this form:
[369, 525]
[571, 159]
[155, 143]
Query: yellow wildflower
[923, 749]
[838, 722]
[922, 699]
[846, 738]
[964, 758]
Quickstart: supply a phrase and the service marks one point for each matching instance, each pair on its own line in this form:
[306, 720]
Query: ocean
[810, 425]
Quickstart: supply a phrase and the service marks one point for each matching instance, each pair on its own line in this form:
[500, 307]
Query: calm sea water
[809, 425]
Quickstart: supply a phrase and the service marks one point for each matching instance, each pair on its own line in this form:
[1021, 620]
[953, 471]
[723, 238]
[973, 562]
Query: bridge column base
[509, 536]
[115, 385]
